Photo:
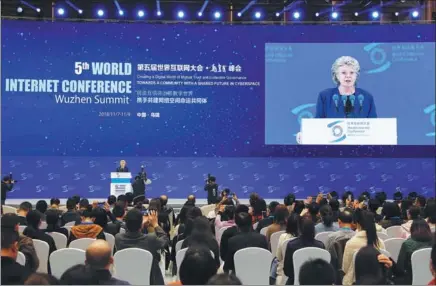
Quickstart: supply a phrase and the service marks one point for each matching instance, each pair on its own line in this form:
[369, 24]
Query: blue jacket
[363, 108]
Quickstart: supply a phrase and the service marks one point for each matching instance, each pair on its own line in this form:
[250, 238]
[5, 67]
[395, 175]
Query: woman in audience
[201, 234]
[291, 232]
[197, 267]
[258, 210]
[281, 214]
[41, 206]
[334, 204]
[224, 218]
[32, 230]
[391, 215]
[406, 204]
[413, 213]
[313, 212]
[53, 221]
[224, 279]
[41, 279]
[306, 239]
[366, 235]
[371, 267]
[430, 213]
[420, 237]
[327, 220]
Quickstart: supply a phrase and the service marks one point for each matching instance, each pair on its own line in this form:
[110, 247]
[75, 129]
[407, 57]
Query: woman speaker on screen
[345, 100]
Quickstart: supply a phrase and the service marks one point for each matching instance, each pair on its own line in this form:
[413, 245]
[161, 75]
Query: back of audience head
[414, 212]
[281, 214]
[100, 217]
[347, 195]
[242, 209]
[289, 200]
[79, 274]
[10, 221]
[55, 202]
[99, 255]
[430, 211]
[41, 279]
[373, 205]
[111, 200]
[84, 204]
[398, 196]
[326, 214]
[76, 199]
[253, 199]
[381, 197]
[346, 218]
[243, 221]
[292, 224]
[71, 204]
[155, 205]
[299, 207]
[313, 210]
[25, 207]
[87, 215]
[316, 272]
[420, 201]
[201, 229]
[406, 204]
[122, 198]
[192, 214]
[129, 198]
[420, 231]
[228, 213]
[367, 268]
[52, 218]
[391, 210]
[118, 210]
[133, 220]
[307, 229]
[33, 219]
[9, 243]
[224, 279]
[365, 221]
[334, 204]
[41, 206]
[198, 266]
[164, 200]
[259, 207]
[191, 199]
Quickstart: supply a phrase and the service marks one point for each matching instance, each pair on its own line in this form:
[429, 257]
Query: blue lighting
[159, 13]
[181, 14]
[217, 15]
[296, 15]
[20, 9]
[239, 14]
[200, 14]
[80, 11]
[375, 15]
[141, 13]
[277, 14]
[335, 15]
[415, 14]
[100, 13]
[61, 11]
[257, 15]
[120, 12]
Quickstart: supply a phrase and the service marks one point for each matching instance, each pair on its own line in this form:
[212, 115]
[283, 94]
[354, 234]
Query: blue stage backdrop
[187, 100]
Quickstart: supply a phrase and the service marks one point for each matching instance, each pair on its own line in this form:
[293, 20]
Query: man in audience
[224, 279]
[432, 263]
[79, 274]
[32, 230]
[166, 208]
[84, 205]
[134, 237]
[54, 203]
[245, 238]
[269, 219]
[25, 244]
[87, 228]
[191, 200]
[12, 272]
[316, 272]
[230, 232]
[71, 214]
[111, 200]
[99, 259]
[23, 209]
[346, 232]
[118, 212]
[42, 207]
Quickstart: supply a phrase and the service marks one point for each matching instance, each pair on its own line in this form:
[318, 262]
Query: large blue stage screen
[187, 100]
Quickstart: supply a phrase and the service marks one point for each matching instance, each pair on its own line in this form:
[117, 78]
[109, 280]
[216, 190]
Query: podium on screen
[348, 131]
[120, 183]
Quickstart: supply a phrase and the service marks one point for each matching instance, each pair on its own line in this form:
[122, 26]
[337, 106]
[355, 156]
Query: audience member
[54, 203]
[391, 215]
[245, 238]
[191, 200]
[370, 267]
[335, 205]
[230, 232]
[299, 207]
[259, 210]
[134, 237]
[22, 211]
[224, 218]
[32, 230]
[289, 202]
[413, 213]
[71, 214]
[168, 209]
[79, 274]
[197, 267]
[327, 220]
[52, 219]
[224, 279]
[430, 213]
[420, 237]
[202, 235]
[111, 200]
[269, 220]
[12, 272]
[281, 214]
[99, 259]
[406, 204]
[41, 279]
[366, 235]
[313, 212]
[306, 239]
[84, 205]
[42, 207]
[291, 232]
[87, 228]
[118, 212]
[373, 206]
[25, 244]
[316, 272]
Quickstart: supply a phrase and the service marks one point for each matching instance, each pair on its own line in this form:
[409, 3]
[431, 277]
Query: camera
[210, 179]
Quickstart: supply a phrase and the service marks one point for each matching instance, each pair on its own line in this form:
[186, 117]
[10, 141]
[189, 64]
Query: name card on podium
[348, 131]
[120, 183]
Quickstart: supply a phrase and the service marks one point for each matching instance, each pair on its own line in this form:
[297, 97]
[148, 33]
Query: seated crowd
[214, 234]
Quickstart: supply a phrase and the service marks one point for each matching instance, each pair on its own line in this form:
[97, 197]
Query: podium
[348, 131]
[120, 183]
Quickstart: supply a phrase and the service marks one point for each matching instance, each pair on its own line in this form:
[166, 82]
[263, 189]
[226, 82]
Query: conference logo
[13, 163]
[181, 177]
[78, 176]
[258, 177]
[303, 111]
[40, 188]
[170, 189]
[385, 177]
[378, 57]
[104, 176]
[247, 189]
[146, 163]
[359, 177]
[157, 176]
[196, 164]
[337, 131]
[427, 190]
[411, 177]
[273, 164]
[309, 177]
[222, 164]
[67, 188]
[93, 164]
[94, 188]
[25, 176]
[247, 164]
[427, 164]
[323, 189]
[374, 189]
[196, 188]
[53, 176]
[298, 189]
[431, 110]
[272, 189]
[349, 189]
[374, 165]
[349, 165]
[283, 177]
[67, 163]
[400, 165]
[323, 164]
[233, 177]
[335, 177]
[297, 164]
[170, 164]
[41, 164]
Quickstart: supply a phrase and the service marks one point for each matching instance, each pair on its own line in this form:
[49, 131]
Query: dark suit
[264, 223]
[12, 272]
[105, 278]
[294, 245]
[70, 216]
[122, 170]
[209, 242]
[224, 243]
[240, 241]
[5, 189]
[151, 243]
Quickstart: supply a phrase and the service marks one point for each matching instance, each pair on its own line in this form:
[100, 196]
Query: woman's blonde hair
[344, 61]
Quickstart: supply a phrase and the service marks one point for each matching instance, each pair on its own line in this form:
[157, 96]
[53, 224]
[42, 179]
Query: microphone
[352, 98]
[344, 99]
[361, 99]
[335, 99]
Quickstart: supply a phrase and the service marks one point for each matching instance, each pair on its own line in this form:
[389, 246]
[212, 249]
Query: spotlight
[217, 15]
[296, 15]
[20, 10]
[397, 14]
[159, 13]
[141, 13]
[375, 14]
[257, 15]
[316, 14]
[181, 14]
[277, 14]
[335, 15]
[239, 14]
[61, 11]
[121, 12]
[356, 14]
[415, 14]
[80, 11]
[200, 14]
[100, 13]
[38, 10]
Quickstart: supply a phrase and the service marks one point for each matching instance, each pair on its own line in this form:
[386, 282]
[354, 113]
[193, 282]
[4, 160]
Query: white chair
[68, 228]
[263, 230]
[43, 225]
[323, 236]
[305, 254]
[274, 241]
[62, 259]
[285, 244]
[21, 258]
[71, 223]
[21, 228]
[220, 233]
[81, 243]
[9, 210]
[393, 245]
[394, 231]
[252, 265]
[122, 230]
[420, 267]
[133, 265]
[206, 209]
[382, 236]
[59, 239]
[111, 240]
[255, 225]
[179, 245]
[42, 251]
